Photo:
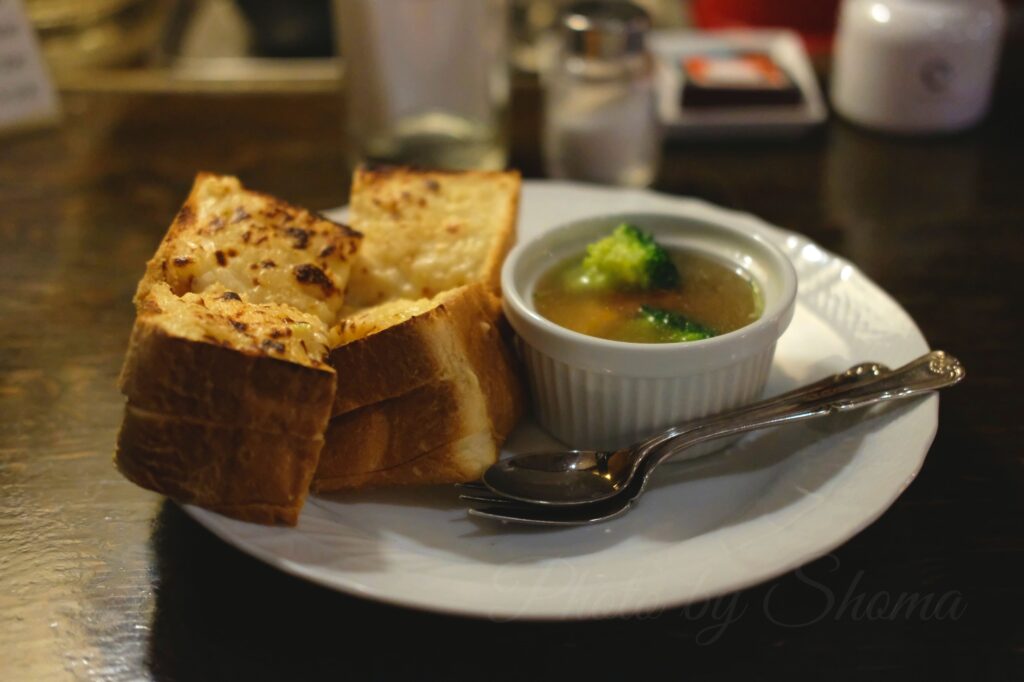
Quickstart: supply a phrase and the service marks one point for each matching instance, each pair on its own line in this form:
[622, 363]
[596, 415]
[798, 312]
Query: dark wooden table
[101, 580]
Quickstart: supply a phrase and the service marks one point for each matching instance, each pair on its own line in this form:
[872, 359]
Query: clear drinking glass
[426, 81]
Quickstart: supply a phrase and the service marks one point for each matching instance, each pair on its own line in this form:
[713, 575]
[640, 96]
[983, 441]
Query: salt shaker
[601, 121]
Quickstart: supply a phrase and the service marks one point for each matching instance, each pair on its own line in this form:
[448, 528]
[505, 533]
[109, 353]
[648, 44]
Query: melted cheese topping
[226, 318]
[426, 233]
[258, 246]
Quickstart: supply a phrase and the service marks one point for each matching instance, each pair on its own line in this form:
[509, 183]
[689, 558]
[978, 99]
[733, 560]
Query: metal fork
[856, 388]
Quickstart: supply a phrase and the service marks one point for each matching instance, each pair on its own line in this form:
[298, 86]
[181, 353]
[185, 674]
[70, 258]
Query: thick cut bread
[262, 332]
[428, 388]
[238, 471]
[389, 434]
[229, 392]
[429, 231]
[385, 444]
[402, 345]
[182, 370]
[218, 422]
[426, 400]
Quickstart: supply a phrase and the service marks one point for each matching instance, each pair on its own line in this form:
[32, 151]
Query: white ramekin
[594, 393]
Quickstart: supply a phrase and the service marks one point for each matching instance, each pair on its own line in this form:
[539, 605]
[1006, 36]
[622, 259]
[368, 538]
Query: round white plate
[772, 502]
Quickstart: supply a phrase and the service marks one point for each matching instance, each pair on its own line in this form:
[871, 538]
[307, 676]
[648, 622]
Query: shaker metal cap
[605, 29]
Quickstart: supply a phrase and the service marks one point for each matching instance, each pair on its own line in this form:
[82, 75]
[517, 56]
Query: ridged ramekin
[595, 393]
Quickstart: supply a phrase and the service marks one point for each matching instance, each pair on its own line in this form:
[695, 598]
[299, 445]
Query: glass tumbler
[426, 81]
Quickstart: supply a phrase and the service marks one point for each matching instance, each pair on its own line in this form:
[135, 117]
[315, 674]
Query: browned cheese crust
[430, 231]
[256, 245]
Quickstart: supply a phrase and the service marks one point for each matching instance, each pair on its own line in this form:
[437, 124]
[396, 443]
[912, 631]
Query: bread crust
[251, 475]
[403, 357]
[446, 464]
[424, 413]
[489, 351]
[386, 364]
[236, 433]
[391, 432]
[197, 380]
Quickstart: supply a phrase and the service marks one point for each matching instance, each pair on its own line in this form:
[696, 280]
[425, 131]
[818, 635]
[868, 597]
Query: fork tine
[490, 498]
[532, 515]
[473, 486]
[505, 514]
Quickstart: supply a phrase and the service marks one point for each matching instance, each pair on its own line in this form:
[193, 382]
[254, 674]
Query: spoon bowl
[569, 477]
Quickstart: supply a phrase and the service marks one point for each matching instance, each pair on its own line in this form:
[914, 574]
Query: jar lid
[605, 29]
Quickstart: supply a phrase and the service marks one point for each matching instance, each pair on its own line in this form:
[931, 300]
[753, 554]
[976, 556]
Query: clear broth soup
[710, 293]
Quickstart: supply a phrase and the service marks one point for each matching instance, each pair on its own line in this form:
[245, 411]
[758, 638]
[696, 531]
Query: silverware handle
[826, 386]
[854, 389]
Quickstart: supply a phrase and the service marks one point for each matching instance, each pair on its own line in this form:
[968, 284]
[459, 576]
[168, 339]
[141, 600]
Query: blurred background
[268, 44]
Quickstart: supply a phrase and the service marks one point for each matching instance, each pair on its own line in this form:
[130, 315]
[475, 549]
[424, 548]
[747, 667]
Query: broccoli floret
[627, 259]
[665, 325]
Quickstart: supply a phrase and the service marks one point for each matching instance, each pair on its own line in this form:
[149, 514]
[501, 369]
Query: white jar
[916, 66]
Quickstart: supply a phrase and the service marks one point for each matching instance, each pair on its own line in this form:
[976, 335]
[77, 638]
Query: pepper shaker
[601, 121]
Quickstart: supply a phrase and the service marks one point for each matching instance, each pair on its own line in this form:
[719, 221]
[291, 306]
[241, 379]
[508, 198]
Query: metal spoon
[560, 479]
[488, 504]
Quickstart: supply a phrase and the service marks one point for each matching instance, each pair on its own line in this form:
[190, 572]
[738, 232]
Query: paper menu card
[27, 96]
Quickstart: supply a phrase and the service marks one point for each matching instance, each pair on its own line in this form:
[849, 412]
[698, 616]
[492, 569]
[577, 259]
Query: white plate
[707, 527]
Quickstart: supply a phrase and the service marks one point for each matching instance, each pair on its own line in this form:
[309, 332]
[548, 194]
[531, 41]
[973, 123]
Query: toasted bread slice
[228, 388]
[260, 247]
[385, 444]
[428, 387]
[246, 343]
[216, 358]
[429, 231]
[227, 403]
[421, 390]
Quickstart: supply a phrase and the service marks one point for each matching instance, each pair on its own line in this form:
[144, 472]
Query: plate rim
[793, 241]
